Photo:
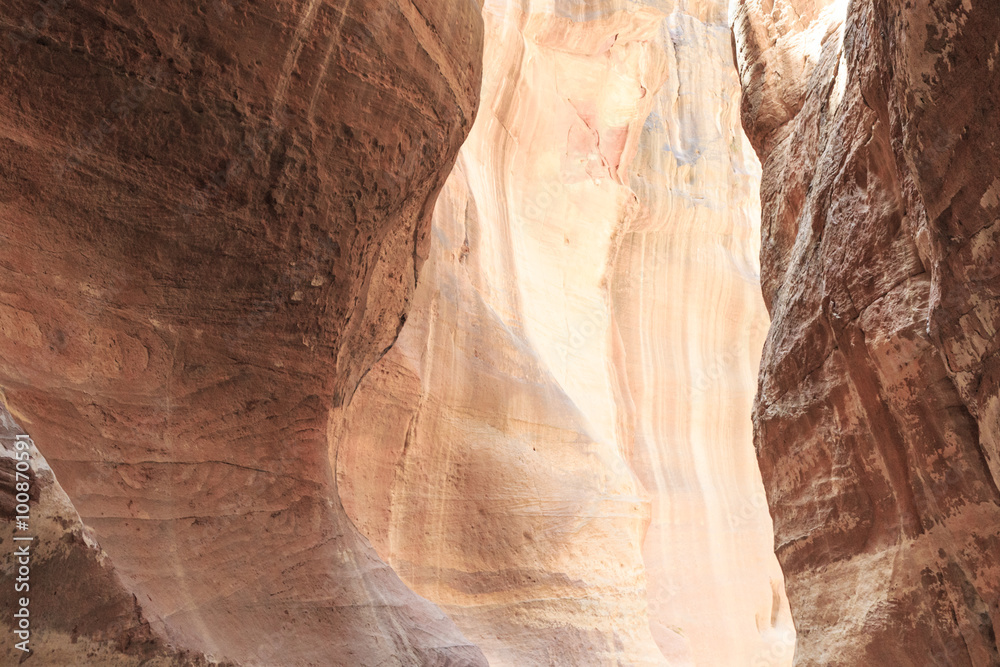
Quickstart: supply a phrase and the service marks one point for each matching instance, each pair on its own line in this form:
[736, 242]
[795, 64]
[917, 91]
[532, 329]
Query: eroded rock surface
[557, 450]
[878, 419]
[80, 611]
[211, 218]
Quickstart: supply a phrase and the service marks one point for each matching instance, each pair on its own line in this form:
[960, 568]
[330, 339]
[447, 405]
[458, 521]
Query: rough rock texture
[878, 418]
[80, 610]
[211, 217]
[557, 449]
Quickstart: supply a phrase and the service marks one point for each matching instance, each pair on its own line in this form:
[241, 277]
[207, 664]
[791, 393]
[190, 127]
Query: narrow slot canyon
[483, 332]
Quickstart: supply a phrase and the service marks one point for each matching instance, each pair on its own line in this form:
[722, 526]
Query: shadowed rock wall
[877, 419]
[211, 218]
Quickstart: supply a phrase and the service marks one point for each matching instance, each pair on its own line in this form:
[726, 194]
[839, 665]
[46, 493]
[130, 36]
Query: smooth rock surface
[557, 449]
[877, 422]
[211, 218]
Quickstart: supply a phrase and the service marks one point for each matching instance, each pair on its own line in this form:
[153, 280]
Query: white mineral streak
[558, 449]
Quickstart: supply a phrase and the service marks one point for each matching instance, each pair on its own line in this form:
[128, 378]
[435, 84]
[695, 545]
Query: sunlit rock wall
[557, 449]
[878, 418]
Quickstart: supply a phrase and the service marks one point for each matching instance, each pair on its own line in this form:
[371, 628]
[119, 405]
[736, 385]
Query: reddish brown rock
[79, 610]
[877, 421]
[211, 217]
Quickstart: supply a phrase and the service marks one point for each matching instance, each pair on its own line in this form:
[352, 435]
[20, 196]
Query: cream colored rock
[557, 449]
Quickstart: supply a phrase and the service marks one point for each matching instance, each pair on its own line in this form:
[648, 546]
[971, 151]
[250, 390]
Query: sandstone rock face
[211, 219]
[81, 612]
[878, 419]
[557, 449]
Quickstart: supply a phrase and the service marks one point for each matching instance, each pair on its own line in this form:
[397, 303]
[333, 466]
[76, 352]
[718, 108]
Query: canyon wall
[557, 449]
[211, 220]
[877, 423]
[275, 446]
[80, 610]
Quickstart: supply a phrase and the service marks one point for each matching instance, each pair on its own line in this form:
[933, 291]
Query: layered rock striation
[275, 446]
[878, 414]
[212, 219]
[80, 611]
[557, 449]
